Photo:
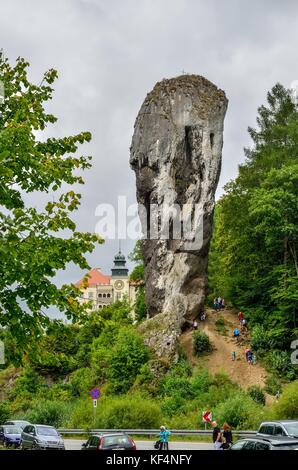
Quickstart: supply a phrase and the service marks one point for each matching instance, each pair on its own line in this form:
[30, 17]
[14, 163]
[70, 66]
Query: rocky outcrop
[176, 155]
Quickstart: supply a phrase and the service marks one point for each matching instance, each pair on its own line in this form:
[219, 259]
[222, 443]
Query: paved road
[75, 444]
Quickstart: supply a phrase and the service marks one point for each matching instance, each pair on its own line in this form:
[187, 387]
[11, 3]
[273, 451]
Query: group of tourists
[218, 303]
[222, 439]
[242, 326]
[242, 322]
[250, 357]
[195, 322]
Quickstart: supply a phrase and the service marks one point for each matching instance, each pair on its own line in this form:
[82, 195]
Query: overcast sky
[110, 53]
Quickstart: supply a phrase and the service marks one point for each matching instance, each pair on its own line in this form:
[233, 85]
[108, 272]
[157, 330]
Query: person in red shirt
[240, 317]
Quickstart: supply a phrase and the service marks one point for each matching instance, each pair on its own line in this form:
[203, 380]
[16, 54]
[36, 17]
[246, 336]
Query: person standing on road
[233, 355]
[254, 359]
[164, 438]
[216, 436]
[227, 435]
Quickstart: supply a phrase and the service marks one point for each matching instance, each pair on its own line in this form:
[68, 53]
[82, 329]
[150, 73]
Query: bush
[287, 405]
[257, 394]
[125, 360]
[260, 339]
[140, 305]
[272, 385]
[131, 411]
[201, 343]
[171, 385]
[28, 384]
[240, 411]
[5, 411]
[174, 405]
[81, 381]
[52, 413]
[280, 363]
[201, 381]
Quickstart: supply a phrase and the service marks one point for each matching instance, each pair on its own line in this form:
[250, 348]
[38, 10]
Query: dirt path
[223, 345]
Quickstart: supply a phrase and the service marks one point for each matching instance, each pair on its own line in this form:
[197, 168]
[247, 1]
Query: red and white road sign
[207, 416]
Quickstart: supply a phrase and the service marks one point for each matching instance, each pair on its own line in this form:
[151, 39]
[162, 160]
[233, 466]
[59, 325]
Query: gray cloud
[109, 54]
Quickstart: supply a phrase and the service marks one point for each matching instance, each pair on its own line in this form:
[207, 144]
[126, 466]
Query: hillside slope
[223, 345]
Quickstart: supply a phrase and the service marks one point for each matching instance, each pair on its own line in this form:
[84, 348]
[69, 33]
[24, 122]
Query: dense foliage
[138, 277]
[253, 259]
[35, 243]
[117, 362]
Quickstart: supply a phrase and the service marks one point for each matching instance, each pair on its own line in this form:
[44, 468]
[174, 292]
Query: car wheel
[34, 446]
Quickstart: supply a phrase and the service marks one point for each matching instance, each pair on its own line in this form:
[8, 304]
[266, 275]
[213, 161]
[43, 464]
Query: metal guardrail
[152, 432]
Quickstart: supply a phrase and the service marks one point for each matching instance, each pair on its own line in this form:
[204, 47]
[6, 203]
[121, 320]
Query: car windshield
[115, 441]
[12, 430]
[44, 431]
[292, 428]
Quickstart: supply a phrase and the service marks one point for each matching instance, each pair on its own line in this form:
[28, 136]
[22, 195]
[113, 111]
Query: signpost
[95, 395]
[207, 417]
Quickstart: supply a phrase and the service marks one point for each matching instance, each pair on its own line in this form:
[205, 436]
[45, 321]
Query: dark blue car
[10, 435]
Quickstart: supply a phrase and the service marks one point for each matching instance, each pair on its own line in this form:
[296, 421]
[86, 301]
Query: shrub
[81, 381]
[239, 411]
[140, 305]
[171, 385]
[257, 394]
[287, 405]
[52, 413]
[272, 385]
[201, 381]
[126, 359]
[82, 416]
[220, 325]
[280, 362]
[182, 368]
[5, 411]
[201, 343]
[173, 405]
[260, 339]
[131, 411]
[27, 384]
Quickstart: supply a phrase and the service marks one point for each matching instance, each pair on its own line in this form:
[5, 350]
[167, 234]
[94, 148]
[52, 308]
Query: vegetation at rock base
[116, 360]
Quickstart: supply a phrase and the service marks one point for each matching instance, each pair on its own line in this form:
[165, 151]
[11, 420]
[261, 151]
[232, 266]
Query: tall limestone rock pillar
[176, 155]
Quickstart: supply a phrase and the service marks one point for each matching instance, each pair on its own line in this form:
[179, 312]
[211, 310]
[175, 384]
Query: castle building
[102, 289]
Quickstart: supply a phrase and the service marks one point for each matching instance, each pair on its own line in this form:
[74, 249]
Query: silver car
[41, 437]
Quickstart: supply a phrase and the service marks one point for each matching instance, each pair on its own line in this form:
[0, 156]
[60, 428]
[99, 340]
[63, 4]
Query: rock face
[176, 155]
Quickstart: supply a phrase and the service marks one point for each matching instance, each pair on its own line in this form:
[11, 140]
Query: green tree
[36, 243]
[126, 359]
[253, 259]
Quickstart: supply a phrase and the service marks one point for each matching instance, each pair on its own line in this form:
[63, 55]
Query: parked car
[10, 435]
[287, 428]
[20, 423]
[113, 441]
[277, 443]
[41, 437]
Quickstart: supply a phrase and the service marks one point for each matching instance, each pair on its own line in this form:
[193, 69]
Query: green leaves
[253, 259]
[36, 243]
